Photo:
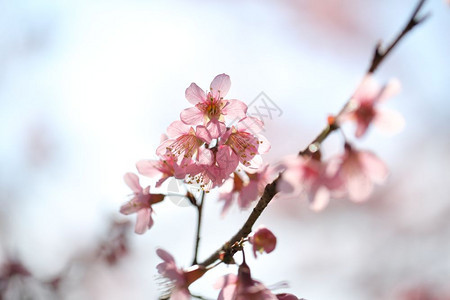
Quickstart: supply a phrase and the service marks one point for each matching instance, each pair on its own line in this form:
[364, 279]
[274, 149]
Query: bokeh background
[87, 88]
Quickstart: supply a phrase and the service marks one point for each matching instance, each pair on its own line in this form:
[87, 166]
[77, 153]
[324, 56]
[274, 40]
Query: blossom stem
[271, 189]
[199, 224]
[315, 144]
[381, 54]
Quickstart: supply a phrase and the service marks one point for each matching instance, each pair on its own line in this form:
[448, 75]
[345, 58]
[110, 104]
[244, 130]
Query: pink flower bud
[263, 240]
[285, 296]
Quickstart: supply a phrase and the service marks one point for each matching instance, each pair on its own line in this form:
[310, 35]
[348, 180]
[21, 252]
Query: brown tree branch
[271, 189]
[381, 54]
[199, 225]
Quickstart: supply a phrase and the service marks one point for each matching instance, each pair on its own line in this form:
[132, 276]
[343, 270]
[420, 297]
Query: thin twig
[381, 54]
[199, 225]
[271, 189]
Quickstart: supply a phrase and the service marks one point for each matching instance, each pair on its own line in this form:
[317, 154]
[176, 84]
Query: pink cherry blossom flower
[359, 170]
[263, 240]
[244, 140]
[223, 163]
[185, 142]
[115, 244]
[362, 107]
[165, 167]
[181, 279]
[307, 175]
[243, 287]
[210, 108]
[141, 203]
[244, 192]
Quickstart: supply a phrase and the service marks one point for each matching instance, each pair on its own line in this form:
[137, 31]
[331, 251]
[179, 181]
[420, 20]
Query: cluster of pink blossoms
[208, 146]
[353, 173]
[215, 144]
[202, 148]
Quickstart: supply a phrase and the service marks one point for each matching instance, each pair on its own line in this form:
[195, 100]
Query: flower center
[365, 112]
[244, 145]
[186, 144]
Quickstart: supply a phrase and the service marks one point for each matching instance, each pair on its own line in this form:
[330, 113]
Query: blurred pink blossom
[141, 203]
[243, 287]
[181, 279]
[245, 192]
[359, 170]
[165, 167]
[362, 107]
[315, 178]
[263, 240]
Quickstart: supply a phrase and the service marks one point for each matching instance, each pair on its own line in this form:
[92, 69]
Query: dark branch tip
[422, 19]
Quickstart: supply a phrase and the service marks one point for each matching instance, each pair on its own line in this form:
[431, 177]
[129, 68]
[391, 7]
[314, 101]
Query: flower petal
[320, 199]
[248, 194]
[165, 256]
[216, 128]
[180, 170]
[177, 128]
[205, 156]
[146, 191]
[180, 293]
[291, 177]
[228, 200]
[368, 90]
[389, 121]
[361, 128]
[144, 220]
[250, 124]
[132, 180]
[264, 144]
[194, 94]
[192, 116]
[203, 133]
[256, 162]
[220, 85]
[359, 186]
[373, 167]
[147, 167]
[162, 148]
[163, 137]
[391, 89]
[129, 207]
[161, 181]
[229, 279]
[235, 109]
[227, 159]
